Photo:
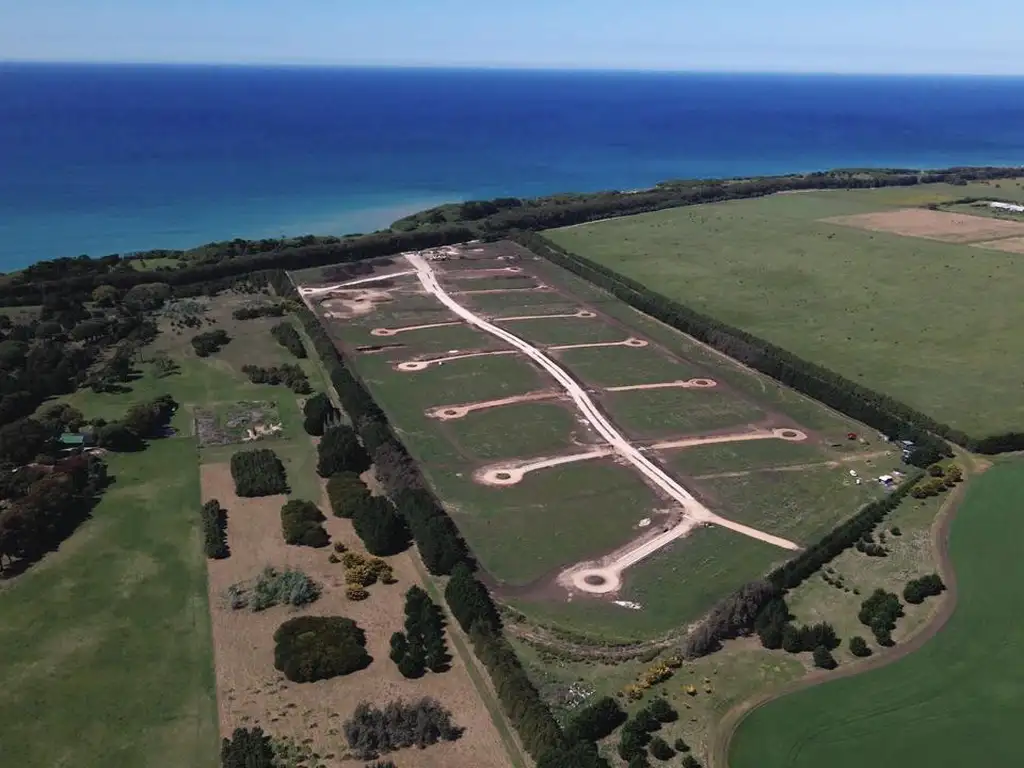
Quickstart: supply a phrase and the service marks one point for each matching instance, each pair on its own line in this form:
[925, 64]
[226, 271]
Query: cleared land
[467, 414]
[959, 696]
[933, 324]
[934, 225]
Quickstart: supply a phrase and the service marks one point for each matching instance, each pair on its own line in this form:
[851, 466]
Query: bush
[423, 644]
[301, 524]
[289, 338]
[258, 473]
[880, 612]
[273, 587]
[356, 593]
[209, 343]
[309, 648]
[691, 762]
[247, 748]
[265, 310]
[596, 720]
[319, 412]
[917, 590]
[660, 749]
[823, 658]
[662, 711]
[858, 647]
[371, 732]
[215, 523]
[681, 746]
[289, 374]
[895, 531]
[341, 451]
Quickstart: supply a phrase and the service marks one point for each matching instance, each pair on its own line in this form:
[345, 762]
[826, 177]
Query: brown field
[933, 225]
[251, 692]
[1009, 245]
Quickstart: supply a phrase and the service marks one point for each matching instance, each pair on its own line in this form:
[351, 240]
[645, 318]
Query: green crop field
[956, 701]
[107, 657]
[932, 324]
[555, 517]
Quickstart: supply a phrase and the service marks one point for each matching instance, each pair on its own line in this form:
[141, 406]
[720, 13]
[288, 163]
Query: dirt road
[694, 512]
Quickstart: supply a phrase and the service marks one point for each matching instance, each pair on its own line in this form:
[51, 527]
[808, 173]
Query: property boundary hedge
[882, 412]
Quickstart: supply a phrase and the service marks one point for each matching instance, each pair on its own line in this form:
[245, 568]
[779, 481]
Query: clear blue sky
[893, 36]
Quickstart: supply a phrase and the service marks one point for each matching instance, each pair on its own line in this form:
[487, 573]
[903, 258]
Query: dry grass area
[1009, 245]
[933, 225]
[251, 692]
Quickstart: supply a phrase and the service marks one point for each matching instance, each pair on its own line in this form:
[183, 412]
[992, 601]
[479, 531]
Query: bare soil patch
[933, 225]
[251, 692]
[1009, 245]
[348, 303]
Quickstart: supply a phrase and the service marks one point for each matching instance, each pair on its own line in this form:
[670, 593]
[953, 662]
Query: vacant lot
[107, 657]
[469, 415]
[933, 225]
[876, 307]
[957, 697]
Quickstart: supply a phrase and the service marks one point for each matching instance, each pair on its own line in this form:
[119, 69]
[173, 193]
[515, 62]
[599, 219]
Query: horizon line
[506, 68]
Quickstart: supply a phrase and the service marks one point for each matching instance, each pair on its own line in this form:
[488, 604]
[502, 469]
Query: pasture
[933, 324]
[528, 480]
[957, 697]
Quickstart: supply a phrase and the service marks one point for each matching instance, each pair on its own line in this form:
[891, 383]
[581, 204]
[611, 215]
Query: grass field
[959, 697]
[872, 306]
[555, 517]
[107, 657]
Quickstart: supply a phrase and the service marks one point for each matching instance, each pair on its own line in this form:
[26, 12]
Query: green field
[107, 657]
[935, 325]
[956, 701]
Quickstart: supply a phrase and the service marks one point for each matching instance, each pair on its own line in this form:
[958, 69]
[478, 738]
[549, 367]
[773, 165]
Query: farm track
[718, 756]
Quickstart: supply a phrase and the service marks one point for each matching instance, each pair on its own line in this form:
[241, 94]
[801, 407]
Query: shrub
[660, 749]
[209, 343]
[273, 587]
[341, 451]
[318, 411]
[289, 374]
[371, 732]
[880, 612]
[301, 524]
[247, 748]
[215, 522]
[823, 658]
[895, 531]
[917, 590]
[347, 492]
[662, 711]
[858, 647]
[689, 761]
[258, 473]
[356, 593]
[632, 742]
[681, 746]
[423, 644]
[309, 648]
[265, 310]
[289, 338]
[596, 720]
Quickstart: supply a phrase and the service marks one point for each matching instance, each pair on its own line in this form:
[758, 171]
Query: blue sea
[99, 159]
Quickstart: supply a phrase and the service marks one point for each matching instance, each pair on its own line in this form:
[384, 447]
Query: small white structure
[853, 473]
[1007, 207]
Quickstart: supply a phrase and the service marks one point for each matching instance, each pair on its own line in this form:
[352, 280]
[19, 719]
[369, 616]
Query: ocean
[98, 159]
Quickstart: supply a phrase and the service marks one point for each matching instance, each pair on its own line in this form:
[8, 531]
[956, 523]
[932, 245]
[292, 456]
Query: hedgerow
[289, 374]
[422, 645]
[340, 451]
[215, 522]
[258, 472]
[289, 338]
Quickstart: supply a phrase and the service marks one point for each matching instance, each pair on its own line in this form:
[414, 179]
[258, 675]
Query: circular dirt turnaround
[444, 414]
[513, 269]
[793, 435]
[596, 581]
[586, 313]
[634, 343]
[413, 365]
[506, 476]
[382, 332]
[702, 383]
